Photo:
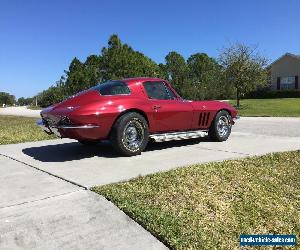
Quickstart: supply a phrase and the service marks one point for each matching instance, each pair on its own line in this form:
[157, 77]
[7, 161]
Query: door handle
[156, 107]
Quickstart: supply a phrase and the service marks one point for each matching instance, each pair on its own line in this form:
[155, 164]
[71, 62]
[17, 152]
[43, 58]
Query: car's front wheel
[130, 134]
[220, 128]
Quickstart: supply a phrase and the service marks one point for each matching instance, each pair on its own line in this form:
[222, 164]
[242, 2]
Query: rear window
[112, 88]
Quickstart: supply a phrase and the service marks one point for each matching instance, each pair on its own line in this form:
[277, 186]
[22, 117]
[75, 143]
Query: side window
[158, 90]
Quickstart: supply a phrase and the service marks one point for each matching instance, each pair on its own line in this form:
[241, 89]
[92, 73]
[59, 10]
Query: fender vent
[203, 119]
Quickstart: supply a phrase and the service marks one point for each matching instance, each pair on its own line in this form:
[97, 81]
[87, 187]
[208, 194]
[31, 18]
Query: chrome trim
[48, 130]
[236, 118]
[133, 135]
[81, 126]
[116, 94]
[179, 135]
[223, 126]
[41, 124]
[54, 129]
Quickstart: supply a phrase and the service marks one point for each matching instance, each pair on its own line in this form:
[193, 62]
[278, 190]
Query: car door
[170, 112]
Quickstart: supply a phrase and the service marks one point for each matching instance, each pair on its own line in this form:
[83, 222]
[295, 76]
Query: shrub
[270, 94]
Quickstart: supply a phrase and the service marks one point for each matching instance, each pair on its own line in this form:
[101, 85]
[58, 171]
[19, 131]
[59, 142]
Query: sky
[39, 38]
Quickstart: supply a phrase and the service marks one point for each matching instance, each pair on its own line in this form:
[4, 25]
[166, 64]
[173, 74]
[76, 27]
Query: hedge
[270, 94]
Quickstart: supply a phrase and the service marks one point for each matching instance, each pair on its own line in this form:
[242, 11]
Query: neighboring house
[285, 72]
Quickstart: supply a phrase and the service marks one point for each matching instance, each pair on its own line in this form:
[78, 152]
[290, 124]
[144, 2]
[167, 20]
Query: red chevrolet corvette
[132, 111]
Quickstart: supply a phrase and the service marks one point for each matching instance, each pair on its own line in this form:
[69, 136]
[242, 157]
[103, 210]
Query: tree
[116, 61]
[175, 70]
[25, 101]
[244, 68]
[121, 61]
[204, 74]
[52, 95]
[7, 99]
[75, 77]
[93, 73]
[238, 70]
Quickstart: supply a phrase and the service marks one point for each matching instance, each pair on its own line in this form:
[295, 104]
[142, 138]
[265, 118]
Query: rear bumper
[66, 130]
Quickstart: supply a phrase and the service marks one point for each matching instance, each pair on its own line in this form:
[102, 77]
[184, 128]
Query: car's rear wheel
[220, 128]
[130, 134]
[88, 142]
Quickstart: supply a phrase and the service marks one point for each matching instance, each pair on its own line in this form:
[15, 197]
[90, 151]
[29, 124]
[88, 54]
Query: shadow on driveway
[75, 151]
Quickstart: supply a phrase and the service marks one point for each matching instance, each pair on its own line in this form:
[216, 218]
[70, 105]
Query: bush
[270, 94]
[50, 96]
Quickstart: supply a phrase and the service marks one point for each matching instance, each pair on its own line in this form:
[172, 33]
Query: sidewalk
[40, 211]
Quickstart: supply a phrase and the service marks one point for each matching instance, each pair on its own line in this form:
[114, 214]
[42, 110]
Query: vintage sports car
[132, 111]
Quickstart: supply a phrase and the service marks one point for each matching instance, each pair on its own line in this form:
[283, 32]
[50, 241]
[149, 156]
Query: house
[285, 72]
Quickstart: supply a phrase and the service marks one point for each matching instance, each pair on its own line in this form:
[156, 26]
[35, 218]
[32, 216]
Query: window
[287, 82]
[112, 88]
[159, 90]
[171, 93]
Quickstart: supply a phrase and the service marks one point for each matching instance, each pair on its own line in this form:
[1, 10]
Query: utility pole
[36, 101]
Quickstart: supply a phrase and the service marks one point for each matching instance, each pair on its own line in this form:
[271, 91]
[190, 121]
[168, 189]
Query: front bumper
[236, 118]
[55, 129]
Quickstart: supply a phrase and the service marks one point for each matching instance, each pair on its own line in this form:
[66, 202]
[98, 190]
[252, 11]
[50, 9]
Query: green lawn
[208, 206]
[14, 129]
[35, 107]
[269, 107]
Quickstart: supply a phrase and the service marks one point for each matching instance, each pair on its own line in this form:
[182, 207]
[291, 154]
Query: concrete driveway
[20, 111]
[40, 211]
[99, 165]
[44, 204]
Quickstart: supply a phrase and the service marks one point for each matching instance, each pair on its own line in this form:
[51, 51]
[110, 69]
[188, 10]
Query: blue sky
[38, 39]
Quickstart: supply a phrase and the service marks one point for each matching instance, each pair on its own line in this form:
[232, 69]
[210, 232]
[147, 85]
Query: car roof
[140, 79]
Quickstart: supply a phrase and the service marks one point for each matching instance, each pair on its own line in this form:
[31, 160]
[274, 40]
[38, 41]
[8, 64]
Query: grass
[35, 107]
[269, 107]
[14, 129]
[208, 206]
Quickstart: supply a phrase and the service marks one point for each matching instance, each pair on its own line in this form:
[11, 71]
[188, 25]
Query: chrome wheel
[223, 126]
[133, 135]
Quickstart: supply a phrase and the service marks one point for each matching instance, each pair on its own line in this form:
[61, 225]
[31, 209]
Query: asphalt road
[44, 204]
